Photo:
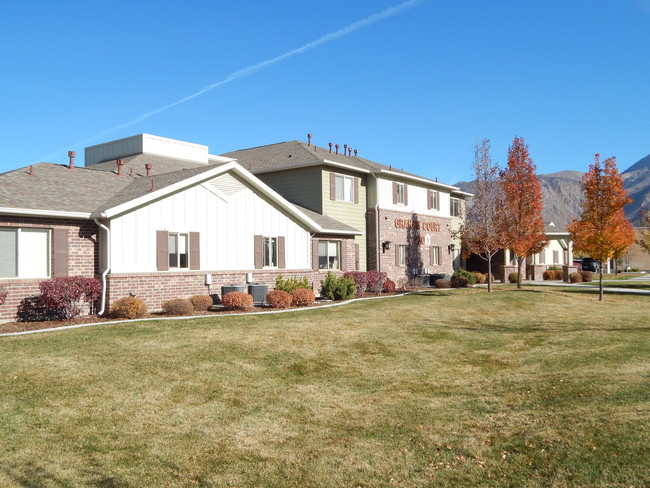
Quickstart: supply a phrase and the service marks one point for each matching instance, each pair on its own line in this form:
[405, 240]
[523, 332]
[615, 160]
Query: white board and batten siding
[416, 201]
[227, 214]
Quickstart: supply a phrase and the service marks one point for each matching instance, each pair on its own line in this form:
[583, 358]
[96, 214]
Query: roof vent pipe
[337, 148]
[71, 155]
[349, 151]
[31, 170]
[153, 185]
[148, 167]
[309, 139]
[120, 163]
[331, 146]
[345, 149]
[356, 151]
[130, 171]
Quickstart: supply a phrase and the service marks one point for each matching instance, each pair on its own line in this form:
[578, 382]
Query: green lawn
[532, 388]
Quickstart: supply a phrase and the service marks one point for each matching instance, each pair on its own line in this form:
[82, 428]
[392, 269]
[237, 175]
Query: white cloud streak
[255, 68]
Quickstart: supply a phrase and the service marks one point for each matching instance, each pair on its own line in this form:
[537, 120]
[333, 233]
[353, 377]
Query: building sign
[417, 225]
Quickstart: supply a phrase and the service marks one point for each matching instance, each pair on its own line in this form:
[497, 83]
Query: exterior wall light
[386, 245]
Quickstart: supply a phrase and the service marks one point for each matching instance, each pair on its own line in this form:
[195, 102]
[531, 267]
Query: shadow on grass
[32, 475]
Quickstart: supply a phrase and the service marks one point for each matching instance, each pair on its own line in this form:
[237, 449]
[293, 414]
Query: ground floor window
[542, 256]
[328, 255]
[270, 252]
[24, 253]
[401, 255]
[556, 257]
[178, 254]
[435, 256]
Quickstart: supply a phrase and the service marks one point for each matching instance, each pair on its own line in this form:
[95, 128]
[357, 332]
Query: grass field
[459, 388]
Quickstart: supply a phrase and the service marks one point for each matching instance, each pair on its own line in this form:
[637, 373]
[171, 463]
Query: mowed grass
[534, 388]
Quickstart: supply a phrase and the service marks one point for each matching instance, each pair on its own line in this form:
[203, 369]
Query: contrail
[250, 70]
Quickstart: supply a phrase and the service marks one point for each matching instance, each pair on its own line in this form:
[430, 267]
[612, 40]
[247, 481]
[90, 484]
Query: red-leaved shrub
[128, 308]
[302, 297]
[587, 276]
[278, 299]
[68, 294]
[178, 306]
[559, 274]
[201, 303]
[376, 280]
[575, 277]
[360, 280]
[389, 287]
[549, 274]
[237, 300]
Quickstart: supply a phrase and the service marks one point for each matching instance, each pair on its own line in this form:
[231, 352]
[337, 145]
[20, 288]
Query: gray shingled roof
[326, 223]
[160, 164]
[285, 155]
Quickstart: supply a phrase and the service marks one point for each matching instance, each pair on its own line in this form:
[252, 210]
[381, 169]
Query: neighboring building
[158, 219]
[406, 221]
[636, 257]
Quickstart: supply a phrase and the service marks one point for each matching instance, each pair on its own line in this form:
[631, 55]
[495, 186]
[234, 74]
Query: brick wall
[418, 232]
[82, 256]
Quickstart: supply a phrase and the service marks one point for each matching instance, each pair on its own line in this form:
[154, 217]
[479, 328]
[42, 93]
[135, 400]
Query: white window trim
[338, 255]
[401, 193]
[343, 179]
[178, 254]
[266, 256]
[401, 250]
[17, 258]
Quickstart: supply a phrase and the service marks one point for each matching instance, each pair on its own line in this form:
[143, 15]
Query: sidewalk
[593, 285]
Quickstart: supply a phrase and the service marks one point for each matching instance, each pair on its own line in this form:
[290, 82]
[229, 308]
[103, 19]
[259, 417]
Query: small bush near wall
[587, 276]
[68, 294]
[549, 274]
[480, 277]
[360, 280]
[470, 277]
[291, 283]
[278, 299]
[178, 306]
[513, 277]
[237, 300]
[201, 303]
[459, 282]
[442, 283]
[302, 297]
[376, 280]
[34, 309]
[128, 308]
[340, 288]
[575, 278]
[389, 287]
[3, 295]
[559, 275]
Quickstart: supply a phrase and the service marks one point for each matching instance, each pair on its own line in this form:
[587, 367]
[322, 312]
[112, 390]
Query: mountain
[562, 193]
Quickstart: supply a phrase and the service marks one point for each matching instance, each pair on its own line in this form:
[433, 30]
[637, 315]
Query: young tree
[483, 230]
[603, 231]
[522, 209]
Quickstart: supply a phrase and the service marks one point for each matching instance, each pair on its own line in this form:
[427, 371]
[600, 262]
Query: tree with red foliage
[524, 230]
[483, 232]
[603, 231]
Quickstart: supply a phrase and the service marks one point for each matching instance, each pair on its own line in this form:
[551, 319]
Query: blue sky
[414, 89]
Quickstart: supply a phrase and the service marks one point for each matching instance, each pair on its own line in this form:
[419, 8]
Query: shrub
[34, 309]
[237, 300]
[128, 308]
[459, 282]
[3, 295]
[512, 277]
[302, 297]
[340, 288]
[470, 277]
[201, 303]
[68, 294]
[178, 306]
[549, 274]
[559, 274]
[442, 283]
[376, 280]
[360, 279]
[587, 276]
[278, 299]
[389, 287]
[575, 278]
[291, 283]
[480, 277]
[554, 268]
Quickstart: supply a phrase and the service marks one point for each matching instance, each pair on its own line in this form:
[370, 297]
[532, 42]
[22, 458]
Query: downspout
[377, 244]
[108, 264]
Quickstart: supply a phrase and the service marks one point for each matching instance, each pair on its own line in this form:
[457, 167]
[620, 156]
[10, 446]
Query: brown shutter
[282, 263]
[431, 256]
[60, 252]
[396, 255]
[429, 199]
[258, 249]
[343, 248]
[356, 190]
[162, 250]
[356, 257]
[406, 194]
[394, 192]
[195, 251]
[314, 254]
[437, 200]
[332, 186]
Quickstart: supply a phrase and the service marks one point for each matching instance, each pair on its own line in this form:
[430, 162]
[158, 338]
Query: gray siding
[301, 186]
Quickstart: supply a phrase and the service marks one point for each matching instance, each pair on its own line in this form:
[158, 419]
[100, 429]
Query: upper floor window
[433, 200]
[178, 250]
[328, 255]
[401, 193]
[24, 253]
[344, 188]
[454, 207]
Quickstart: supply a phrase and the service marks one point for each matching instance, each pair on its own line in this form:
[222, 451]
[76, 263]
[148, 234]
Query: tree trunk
[519, 262]
[600, 292]
[489, 260]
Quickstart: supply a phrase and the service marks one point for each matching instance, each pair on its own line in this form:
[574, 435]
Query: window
[454, 207]
[542, 256]
[434, 200]
[270, 252]
[344, 188]
[435, 256]
[401, 255]
[328, 255]
[24, 253]
[401, 193]
[556, 257]
[177, 246]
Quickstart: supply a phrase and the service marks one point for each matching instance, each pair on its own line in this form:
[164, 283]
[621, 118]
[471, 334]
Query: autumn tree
[603, 231]
[482, 233]
[524, 230]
